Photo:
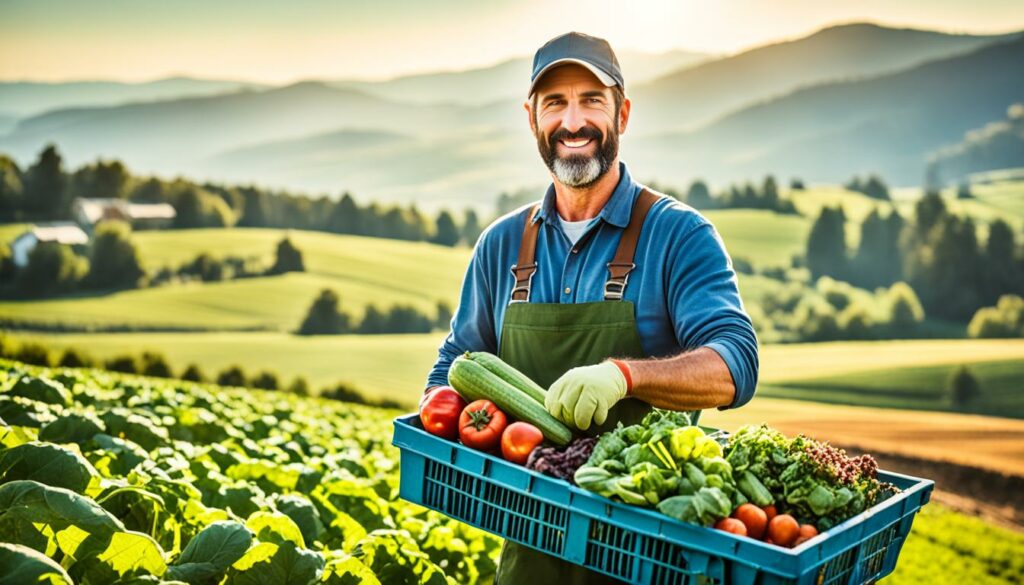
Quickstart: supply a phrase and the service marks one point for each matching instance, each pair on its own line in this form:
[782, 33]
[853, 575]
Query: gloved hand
[585, 394]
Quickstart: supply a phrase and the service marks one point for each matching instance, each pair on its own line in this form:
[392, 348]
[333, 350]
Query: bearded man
[619, 299]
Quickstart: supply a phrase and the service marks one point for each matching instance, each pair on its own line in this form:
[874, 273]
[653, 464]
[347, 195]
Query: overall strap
[622, 264]
[524, 269]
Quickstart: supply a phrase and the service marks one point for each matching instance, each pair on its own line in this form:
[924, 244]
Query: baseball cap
[591, 52]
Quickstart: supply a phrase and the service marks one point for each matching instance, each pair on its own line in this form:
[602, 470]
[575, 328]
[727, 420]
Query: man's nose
[572, 119]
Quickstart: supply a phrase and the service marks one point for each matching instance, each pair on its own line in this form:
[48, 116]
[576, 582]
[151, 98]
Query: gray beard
[577, 171]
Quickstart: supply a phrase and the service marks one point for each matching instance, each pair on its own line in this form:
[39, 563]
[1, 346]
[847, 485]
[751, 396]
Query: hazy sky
[285, 40]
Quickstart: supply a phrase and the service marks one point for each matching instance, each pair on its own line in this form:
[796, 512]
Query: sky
[282, 41]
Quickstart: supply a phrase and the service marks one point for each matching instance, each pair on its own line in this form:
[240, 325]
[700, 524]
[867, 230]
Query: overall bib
[544, 340]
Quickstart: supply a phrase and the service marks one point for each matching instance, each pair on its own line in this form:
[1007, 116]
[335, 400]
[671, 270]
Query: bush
[1006, 319]
[444, 315]
[52, 269]
[344, 392]
[72, 358]
[114, 261]
[232, 376]
[742, 265]
[905, 310]
[123, 363]
[963, 387]
[154, 364]
[324, 317]
[408, 319]
[289, 258]
[193, 374]
[855, 323]
[299, 386]
[265, 380]
[33, 353]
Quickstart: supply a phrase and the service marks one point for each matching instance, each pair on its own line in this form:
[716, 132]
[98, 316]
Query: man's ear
[624, 115]
[529, 114]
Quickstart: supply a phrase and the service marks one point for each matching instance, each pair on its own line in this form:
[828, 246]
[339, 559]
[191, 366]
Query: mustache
[585, 132]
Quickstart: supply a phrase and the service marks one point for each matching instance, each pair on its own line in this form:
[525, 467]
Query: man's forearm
[692, 380]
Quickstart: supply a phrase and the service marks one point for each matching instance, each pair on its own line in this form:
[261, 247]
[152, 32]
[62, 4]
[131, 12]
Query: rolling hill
[697, 94]
[887, 124]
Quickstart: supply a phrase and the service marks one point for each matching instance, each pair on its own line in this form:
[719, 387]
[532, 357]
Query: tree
[195, 207]
[33, 353]
[698, 196]
[963, 387]
[255, 212]
[878, 260]
[52, 269]
[444, 315]
[1002, 274]
[192, 373]
[101, 179]
[905, 311]
[344, 392]
[471, 228]
[122, 363]
[374, 321]
[1004, 320]
[826, 244]
[265, 380]
[289, 258]
[964, 191]
[876, 188]
[72, 358]
[324, 317]
[11, 189]
[407, 319]
[46, 187]
[447, 233]
[154, 364]
[770, 193]
[797, 184]
[114, 261]
[299, 386]
[345, 216]
[232, 376]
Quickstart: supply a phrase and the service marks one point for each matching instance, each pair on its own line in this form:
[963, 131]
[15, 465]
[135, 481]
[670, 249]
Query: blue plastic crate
[636, 544]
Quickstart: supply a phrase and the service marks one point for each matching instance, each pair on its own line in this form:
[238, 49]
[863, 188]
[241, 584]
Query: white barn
[61, 232]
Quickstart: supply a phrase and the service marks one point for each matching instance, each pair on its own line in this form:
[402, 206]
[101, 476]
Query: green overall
[544, 340]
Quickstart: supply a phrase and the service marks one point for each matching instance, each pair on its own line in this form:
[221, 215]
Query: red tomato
[440, 410]
[518, 440]
[731, 525]
[807, 532]
[753, 518]
[770, 511]
[783, 530]
[481, 425]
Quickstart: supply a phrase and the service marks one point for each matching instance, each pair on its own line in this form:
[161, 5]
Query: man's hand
[585, 394]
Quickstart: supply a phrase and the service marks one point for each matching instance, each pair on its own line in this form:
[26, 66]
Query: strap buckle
[525, 287]
[615, 287]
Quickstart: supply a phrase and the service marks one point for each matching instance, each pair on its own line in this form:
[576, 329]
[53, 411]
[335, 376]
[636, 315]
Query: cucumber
[475, 382]
[509, 374]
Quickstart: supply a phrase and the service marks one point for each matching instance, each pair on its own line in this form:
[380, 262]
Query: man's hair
[618, 96]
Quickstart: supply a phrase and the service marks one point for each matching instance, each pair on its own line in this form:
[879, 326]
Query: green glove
[585, 394]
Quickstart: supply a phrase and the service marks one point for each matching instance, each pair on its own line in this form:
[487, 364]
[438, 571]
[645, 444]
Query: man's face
[577, 125]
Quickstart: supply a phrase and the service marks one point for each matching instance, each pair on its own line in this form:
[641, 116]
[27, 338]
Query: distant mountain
[998, 145]
[509, 79]
[7, 122]
[887, 124]
[24, 98]
[693, 96]
[172, 136]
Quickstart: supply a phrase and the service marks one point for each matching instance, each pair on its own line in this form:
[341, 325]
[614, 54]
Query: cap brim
[603, 77]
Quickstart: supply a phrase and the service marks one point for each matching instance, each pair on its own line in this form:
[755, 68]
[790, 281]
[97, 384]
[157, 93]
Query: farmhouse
[89, 212]
[60, 232]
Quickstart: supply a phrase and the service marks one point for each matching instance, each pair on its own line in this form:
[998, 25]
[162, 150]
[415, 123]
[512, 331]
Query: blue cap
[591, 52]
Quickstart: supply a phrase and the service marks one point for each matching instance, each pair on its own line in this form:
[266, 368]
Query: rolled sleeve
[472, 325]
[706, 309]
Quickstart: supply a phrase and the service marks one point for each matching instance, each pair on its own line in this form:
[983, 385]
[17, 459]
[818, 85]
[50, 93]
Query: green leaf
[25, 505]
[304, 514]
[14, 436]
[128, 554]
[211, 552]
[288, 565]
[72, 428]
[41, 390]
[48, 464]
[347, 570]
[275, 527]
[20, 564]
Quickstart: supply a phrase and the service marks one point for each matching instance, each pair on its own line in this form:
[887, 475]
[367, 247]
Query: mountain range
[848, 99]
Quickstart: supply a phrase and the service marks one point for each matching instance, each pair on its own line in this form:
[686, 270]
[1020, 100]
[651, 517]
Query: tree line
[44, 191]
[937, 252]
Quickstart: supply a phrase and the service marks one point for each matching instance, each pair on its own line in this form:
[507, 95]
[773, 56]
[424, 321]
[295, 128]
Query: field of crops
[111, 478]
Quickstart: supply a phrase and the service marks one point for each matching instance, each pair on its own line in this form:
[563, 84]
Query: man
[619, 299]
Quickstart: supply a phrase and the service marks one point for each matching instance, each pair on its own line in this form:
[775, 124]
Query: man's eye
[594, 100]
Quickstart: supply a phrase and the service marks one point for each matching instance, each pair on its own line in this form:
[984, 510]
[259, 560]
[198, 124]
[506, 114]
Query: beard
[579, 170]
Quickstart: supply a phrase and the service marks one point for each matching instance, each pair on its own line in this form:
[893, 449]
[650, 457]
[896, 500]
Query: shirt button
[568, 290]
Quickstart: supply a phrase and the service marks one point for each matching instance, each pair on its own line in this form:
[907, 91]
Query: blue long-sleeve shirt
[683, 288]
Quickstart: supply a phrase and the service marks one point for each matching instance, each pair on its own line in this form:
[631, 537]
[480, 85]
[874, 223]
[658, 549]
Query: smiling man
[619, 299]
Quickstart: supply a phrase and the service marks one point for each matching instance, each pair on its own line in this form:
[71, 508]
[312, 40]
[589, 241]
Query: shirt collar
[616, 211]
